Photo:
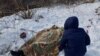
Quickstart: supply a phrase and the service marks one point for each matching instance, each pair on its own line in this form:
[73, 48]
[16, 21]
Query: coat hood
[71, 23]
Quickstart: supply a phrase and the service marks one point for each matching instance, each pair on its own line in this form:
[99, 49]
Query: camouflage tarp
[45, 43]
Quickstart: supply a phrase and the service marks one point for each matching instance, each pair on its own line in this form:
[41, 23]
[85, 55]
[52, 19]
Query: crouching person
[75, 39]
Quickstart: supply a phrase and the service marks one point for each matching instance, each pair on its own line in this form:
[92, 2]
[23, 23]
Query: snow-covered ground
[12, 26]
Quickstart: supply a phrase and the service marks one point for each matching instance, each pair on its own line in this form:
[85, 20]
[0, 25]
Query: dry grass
[26, 14]
[8, 7]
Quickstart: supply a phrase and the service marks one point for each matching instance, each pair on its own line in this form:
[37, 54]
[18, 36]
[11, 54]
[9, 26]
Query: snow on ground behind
[12, 26]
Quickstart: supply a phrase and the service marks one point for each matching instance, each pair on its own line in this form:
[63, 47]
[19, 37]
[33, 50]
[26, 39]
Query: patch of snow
[12, 26]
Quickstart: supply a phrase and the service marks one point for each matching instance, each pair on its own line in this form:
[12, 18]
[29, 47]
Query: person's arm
[62, 43]
[87, 39]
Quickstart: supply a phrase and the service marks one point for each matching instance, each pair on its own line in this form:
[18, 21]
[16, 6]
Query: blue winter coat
[74, 40]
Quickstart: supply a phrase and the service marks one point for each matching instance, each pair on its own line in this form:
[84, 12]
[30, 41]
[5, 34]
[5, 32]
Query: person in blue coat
[74, 39]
